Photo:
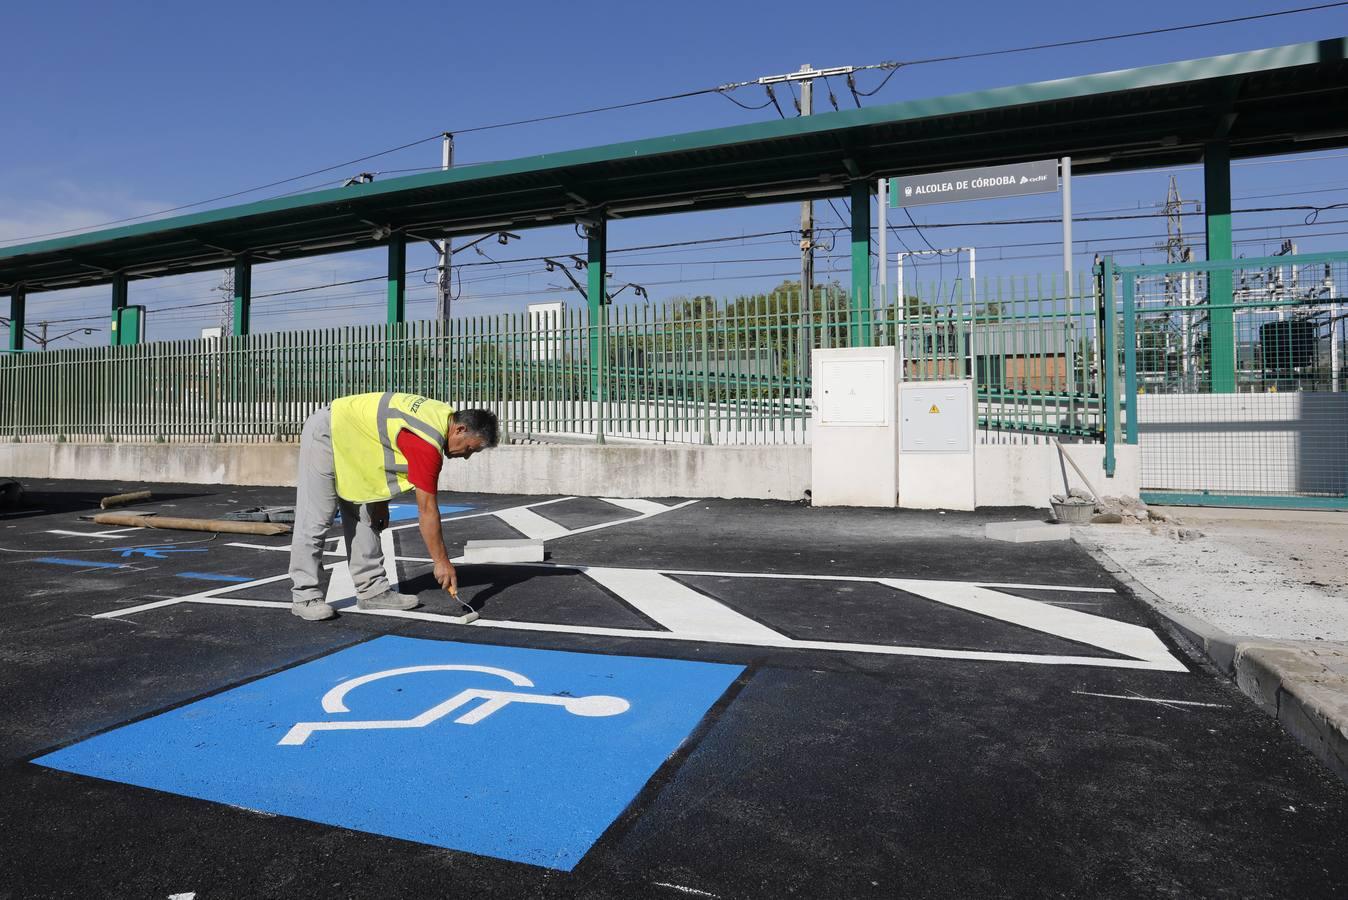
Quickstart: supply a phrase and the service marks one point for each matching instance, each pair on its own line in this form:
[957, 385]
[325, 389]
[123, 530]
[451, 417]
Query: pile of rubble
[1134, 511]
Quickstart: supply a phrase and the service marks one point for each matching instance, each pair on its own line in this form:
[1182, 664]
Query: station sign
[983, 183]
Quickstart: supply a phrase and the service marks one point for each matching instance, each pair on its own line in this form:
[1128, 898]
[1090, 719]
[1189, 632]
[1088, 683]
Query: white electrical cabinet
[854, 427]
[937, 418]
[936, 445]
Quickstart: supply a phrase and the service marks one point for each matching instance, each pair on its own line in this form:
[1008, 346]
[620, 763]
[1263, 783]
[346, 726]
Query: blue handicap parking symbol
[525, 755]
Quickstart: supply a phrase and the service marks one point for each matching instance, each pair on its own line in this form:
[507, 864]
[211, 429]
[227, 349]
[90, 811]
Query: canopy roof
[1263, 102]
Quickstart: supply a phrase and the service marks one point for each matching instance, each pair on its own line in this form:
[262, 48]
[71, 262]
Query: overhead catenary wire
[1077, 42]
[724, 90]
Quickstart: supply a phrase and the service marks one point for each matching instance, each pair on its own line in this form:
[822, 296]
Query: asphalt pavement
[688, 698]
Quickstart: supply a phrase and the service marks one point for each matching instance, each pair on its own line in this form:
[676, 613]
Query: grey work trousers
[316, 501]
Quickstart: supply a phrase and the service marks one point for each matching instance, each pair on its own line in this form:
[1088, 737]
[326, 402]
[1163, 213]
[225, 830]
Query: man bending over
[354, 457]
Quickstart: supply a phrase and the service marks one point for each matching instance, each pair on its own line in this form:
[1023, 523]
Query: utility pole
[807, 214]
[806, 76]
[445, 246]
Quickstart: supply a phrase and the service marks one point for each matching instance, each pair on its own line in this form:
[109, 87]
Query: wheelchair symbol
[334, 701]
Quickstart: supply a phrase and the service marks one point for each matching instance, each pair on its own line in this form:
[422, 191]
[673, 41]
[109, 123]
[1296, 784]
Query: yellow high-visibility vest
[365, 452]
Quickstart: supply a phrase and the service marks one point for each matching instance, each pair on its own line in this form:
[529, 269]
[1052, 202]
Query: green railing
[1238, 399]
[694, 370]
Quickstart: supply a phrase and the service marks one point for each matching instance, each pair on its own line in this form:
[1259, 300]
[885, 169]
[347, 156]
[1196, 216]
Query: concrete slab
[1265, 590]
[503, 551]
[1026, 532]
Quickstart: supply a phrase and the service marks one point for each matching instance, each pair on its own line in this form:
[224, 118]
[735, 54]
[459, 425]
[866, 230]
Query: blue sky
[117, 110]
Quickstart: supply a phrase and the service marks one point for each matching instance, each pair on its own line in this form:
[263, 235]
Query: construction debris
[1132, 511]
[282, 514]
[175, 524]
[124, 499]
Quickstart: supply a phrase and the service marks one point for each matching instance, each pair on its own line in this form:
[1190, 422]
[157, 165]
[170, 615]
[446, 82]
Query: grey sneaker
[312, 610]
[389, 600]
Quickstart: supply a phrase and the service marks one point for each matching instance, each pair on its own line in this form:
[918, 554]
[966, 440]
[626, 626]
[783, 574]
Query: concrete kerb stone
[1302, 684]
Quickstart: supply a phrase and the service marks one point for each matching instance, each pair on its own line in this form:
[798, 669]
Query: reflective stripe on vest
[365, 427]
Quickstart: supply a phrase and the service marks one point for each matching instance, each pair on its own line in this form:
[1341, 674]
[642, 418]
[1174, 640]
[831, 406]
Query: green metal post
[1221, 318]
[119, 295]
[243, 295]
[131, 327]
[1109, 363]
[596, 296]
[1129, 358]
[859, 318]
[17, 307]
[397, 278]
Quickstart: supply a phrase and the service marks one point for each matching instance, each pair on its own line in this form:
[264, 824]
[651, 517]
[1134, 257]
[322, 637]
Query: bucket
[1073, 513]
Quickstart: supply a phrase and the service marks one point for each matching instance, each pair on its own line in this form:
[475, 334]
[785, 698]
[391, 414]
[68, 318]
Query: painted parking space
[519, 754]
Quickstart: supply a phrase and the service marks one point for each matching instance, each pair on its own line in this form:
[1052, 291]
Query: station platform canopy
[1264, 102]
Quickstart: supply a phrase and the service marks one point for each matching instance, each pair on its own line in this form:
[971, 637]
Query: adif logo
[1024, 180]
[908, 191]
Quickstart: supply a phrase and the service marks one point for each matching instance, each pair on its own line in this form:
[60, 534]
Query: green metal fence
[1033, 346]
[1240, 400]
[695, 370]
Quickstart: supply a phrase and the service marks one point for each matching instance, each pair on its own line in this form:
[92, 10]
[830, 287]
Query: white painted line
[998, 585]
[242, 601]
[532, 525]
[779, 641]
[340, 585]
[390, 558]
[190, 598]
[1097, 631]
[191, 895]
[95, 534]
[603, 525]
[880, 649]
[283, 548]
[687, 890]
[676, 606]
[790, 577]
[135, 609]
[418, 615]
[1152, 700]
[645, 507]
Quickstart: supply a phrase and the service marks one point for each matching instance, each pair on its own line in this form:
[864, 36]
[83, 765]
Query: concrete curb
[1302, 684]
[1303, 687]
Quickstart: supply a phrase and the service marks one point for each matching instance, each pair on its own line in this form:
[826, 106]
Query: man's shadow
[491, 579]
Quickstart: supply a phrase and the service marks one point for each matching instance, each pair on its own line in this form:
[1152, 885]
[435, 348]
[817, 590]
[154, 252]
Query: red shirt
[423, 460]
